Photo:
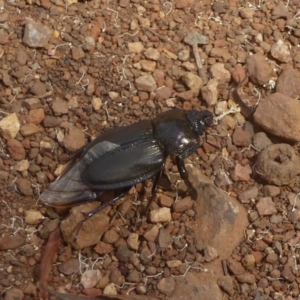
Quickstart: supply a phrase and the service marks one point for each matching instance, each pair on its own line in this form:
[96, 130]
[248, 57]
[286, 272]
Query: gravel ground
[71, 69]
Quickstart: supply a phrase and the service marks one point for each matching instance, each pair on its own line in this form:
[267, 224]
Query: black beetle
[124, 156]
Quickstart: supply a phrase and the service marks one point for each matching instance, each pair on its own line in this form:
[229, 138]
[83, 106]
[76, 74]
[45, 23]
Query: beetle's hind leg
[154, 189]
[121, 193]
[184, 175]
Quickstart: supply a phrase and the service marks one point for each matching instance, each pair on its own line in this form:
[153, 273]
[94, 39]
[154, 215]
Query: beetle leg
[184, 175]
[120, 194]
[154, 188]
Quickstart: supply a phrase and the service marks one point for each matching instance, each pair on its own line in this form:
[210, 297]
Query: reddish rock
[24, 187]
[217, 216]
[193, 82]
[266, 206]
[69, 267]
[15, 149]
[166, 285]
[51, 121]
[210, 93]
[271, 191]
[21, 57]
[110, 236]
[29, 129]
[152, 233]
[91, 229]
[116, 277]
[182, 205]
[92, 292]
[147, 65]
[235, 267]
[32, 103]
[103, 248]
[164, 200]
[248, 195]
[259, 70]
[288, 274]
[184, 3]
[38, 88]
[280, 11]
[159, 77]
[219, 72]
[242, 136]
[74, 139]
[241, 173]
[3, 16]
[288, 82]
[77, 53]
[263, 283]
[163, 93]
[4, 37]
[284, 121]
[36, 116]
[259, 245]
[31, 290]
[246, 278]
[60, 107]
[95, 31]
[10, 242]
[46, 4]
[258, 256]
[272, 258]
[222, 53]
[13, 293]
[226, 284]
[164, 238]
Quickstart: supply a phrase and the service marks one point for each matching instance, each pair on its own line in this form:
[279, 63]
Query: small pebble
[248, 261]
[135, 47]
[33, 217]
[164, 238]
[110, 289]
[166, 285]
[152, 233]
[182, 205]
[90, 278]
[9, 126]
[265, 206]
[133, 241]
[160, 215]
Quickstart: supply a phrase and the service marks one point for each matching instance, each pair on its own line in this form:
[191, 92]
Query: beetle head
[199, 120]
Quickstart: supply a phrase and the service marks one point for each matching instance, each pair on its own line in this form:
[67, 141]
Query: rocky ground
[70, 70]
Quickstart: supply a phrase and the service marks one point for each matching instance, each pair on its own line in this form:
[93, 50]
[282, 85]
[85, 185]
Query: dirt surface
[70, 70]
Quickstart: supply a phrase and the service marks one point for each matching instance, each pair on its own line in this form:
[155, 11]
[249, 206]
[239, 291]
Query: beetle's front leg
[184, 175]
